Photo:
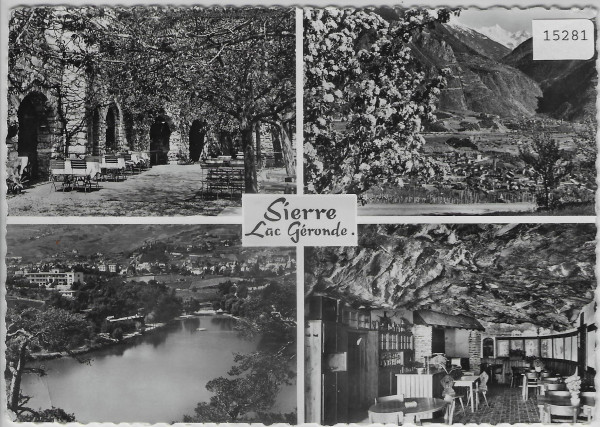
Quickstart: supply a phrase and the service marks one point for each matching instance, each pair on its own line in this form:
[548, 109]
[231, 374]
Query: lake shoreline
[110, 342]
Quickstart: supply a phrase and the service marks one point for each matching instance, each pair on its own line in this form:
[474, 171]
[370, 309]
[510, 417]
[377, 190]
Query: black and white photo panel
[452, 323]
[167, 323]
[462, 111]
[148, 111]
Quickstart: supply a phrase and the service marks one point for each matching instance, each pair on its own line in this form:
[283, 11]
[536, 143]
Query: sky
[515, 20]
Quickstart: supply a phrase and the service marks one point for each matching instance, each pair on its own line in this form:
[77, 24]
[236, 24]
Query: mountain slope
[569, 87]
[480, 43]
[479, 82]
[517, 273]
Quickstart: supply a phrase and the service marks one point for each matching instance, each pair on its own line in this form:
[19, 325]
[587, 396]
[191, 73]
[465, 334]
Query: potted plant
[574, 386]
[447, 381]
[538, 365]
[516, 354]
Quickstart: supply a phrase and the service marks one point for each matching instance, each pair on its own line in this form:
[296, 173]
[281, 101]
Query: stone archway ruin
[112, 129]
[160, 133]
[36, 132]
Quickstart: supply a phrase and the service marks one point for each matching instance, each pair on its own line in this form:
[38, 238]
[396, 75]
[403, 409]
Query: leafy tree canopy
[257, 378]
[365, 99]
[550, 164]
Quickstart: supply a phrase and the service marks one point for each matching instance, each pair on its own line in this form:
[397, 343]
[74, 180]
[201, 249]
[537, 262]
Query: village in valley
[192, 269]
[483, 163]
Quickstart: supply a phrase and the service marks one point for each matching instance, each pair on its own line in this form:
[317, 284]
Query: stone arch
[36, 132]
[113, 124]
[160, 133]
[197, 137]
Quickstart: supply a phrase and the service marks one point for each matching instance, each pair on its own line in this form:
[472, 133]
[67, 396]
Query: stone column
[475, 351]
[174, 146]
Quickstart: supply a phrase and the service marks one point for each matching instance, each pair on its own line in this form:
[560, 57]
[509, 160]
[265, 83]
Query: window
[502, 348]
[559, 348]
[438, 338]
[591, 349]
[546, 350]
[488, 347]
[568, 348]
[531, 347]
[574, 347]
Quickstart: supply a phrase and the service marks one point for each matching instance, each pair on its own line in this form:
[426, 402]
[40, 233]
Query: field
[484, 167]
[204, 289]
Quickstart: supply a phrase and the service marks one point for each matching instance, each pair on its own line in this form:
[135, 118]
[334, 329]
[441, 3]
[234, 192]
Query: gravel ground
[165, 190]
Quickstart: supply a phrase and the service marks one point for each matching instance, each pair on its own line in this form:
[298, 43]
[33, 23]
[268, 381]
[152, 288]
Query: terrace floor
[165, 190]
[506, 406]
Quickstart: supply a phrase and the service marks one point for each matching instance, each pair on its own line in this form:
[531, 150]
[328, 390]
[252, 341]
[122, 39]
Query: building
[143, 278]
[62, 279]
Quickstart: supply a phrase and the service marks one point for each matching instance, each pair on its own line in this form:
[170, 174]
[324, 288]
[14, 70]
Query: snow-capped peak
[504, 37]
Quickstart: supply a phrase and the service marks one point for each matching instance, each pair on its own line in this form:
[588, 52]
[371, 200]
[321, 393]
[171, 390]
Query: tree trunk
[258, 147]
[286, 147]
[250, 178]
[225, 143]
[14, 391]
[276, 138]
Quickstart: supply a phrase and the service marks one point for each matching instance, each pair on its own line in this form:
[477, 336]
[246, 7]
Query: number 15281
[565, 35]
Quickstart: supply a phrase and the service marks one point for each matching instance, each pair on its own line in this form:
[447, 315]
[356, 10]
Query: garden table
[92, 168]
[586, 403]
[425, 406]
[468, 381]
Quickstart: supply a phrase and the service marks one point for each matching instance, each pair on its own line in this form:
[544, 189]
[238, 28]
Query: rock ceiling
[516, 274]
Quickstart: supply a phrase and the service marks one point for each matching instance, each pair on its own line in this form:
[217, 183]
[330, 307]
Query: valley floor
[410, 209]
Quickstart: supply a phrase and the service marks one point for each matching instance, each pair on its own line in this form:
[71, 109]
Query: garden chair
[396, 418]
[58, 174]
[444, 416]
[560, 414]
[80, 175]
[555, 387]
[482, 388]
[130, 165]
[530, 381]
[237, 182]
[516, 376]
[587, 412]
[111, 164]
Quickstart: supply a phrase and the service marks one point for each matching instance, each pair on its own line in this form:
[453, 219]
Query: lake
[158, 378]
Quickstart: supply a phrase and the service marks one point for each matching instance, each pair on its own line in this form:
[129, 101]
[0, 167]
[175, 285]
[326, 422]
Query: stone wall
[79, 128]
[422, 336]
